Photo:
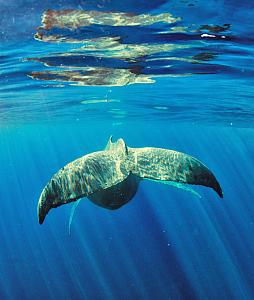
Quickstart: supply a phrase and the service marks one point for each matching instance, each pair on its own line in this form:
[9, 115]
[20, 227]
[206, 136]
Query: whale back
[117, 195]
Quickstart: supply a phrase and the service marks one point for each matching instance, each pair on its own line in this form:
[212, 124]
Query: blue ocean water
[182, 82]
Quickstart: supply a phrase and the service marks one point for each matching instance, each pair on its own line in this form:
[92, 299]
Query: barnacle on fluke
[110, 178]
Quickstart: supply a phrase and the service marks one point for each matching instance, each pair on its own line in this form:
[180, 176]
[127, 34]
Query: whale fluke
[110, 178]
[168, 165]
[83, 177]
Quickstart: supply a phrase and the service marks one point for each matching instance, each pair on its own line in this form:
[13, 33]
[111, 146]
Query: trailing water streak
[75, 205]
[73, 19]
[79, 61]
[60, 38]
[55, 38]
[179, 185]
[71, 37]
[95, 101]
[100, 50]
[93, 77]
[119, 50]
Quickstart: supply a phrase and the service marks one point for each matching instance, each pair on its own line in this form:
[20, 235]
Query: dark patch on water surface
[215, 28]
[4, 58]
[82, 61]
[205, 56]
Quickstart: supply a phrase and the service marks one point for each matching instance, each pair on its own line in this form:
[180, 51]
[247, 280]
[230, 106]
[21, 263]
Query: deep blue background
[164, 244]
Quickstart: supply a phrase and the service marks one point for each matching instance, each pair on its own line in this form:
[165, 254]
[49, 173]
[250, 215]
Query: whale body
[110, 178]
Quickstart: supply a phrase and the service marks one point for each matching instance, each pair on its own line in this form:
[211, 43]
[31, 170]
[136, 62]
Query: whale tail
[83, 177]
[95, 174]
[168, 165]
[43, 206]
